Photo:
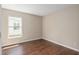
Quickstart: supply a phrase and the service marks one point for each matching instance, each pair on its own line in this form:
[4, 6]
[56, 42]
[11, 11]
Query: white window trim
[14, 36]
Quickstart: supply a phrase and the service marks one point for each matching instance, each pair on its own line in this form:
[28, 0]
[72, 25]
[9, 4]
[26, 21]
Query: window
[14, 27]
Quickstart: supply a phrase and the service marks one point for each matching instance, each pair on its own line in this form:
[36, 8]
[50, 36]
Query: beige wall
[62, 27]
[0, 30]
[32, 27]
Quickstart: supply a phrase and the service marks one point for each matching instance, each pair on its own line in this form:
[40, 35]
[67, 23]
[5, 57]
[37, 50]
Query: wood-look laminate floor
[38, 47]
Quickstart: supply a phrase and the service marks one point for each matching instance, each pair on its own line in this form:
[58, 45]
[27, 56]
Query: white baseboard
[21, 41]
[62, 44]
[31, 39]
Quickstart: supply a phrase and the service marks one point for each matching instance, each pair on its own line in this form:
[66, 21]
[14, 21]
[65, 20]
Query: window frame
[20, 33]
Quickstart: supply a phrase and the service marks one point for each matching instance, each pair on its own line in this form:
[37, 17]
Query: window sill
[14, 37]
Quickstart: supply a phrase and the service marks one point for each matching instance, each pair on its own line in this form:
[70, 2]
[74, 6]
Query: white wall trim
[62, 44]
[21, 41]
[32, 39]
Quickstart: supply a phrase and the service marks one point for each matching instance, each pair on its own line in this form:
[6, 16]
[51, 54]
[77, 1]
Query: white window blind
[14, 26]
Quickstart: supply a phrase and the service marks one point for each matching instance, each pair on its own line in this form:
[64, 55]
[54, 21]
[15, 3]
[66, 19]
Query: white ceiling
[36, 9]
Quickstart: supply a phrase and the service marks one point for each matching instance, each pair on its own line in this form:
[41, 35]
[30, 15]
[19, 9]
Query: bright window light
[14, 27]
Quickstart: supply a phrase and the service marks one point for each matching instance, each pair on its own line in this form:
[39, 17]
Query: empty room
[40, 29]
